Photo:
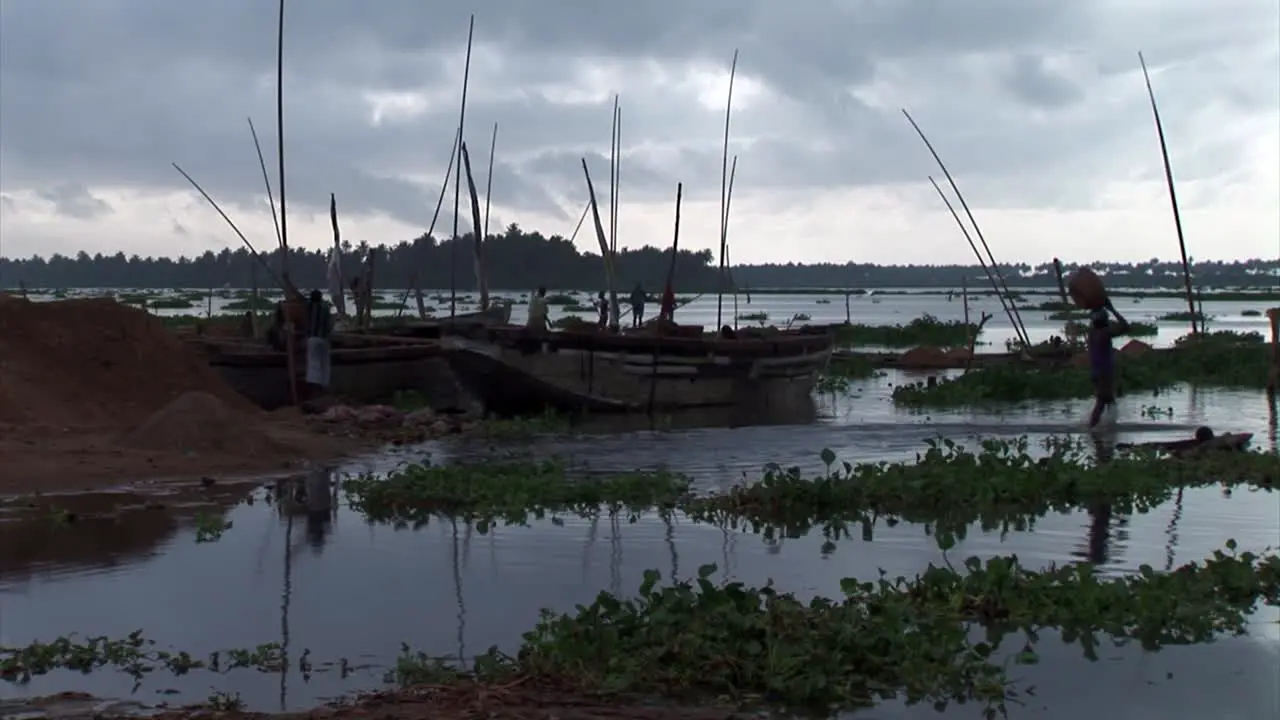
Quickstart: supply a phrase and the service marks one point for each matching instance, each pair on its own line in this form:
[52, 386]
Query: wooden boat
[363, 369]
[514, 371]
[432, 328]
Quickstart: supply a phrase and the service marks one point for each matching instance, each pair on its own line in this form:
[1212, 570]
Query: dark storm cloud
[110, 92]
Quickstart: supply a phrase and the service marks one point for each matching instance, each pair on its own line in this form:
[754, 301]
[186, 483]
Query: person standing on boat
[319, 329]
[637, 305]
[667, 310]
[538, 310]
[602, 305]
[1102, 359]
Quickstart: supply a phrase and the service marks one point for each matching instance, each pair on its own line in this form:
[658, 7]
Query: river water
[341, 588]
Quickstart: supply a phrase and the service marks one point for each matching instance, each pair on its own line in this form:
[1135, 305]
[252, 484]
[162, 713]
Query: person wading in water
[1102, 359]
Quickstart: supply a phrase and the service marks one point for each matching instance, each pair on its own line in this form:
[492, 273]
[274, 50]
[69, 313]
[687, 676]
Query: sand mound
[197, 422]
[925, 357]
[1135, 348]
[94, 363]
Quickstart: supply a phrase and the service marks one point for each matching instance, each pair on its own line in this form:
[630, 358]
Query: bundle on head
[1086, 289]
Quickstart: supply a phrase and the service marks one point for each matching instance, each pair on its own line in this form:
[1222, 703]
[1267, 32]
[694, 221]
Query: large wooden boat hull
[362, 370]
[513, 371]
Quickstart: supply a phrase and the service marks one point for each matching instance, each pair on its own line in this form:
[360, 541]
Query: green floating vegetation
[250, 303]
[893, 638]
[843, 370]
[924, 330]
[508, 492]
[905, 638]
[1222, 359]
[1184, 316]
[1137, 328]
[947, 489]
[134, 655]
[173, 303]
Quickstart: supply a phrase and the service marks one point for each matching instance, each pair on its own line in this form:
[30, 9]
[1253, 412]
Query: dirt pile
[925, 356]
[1135, 348]
[197, 422]
[94, 363]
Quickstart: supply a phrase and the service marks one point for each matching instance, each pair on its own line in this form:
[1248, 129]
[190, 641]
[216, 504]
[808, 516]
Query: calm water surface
[342, 588]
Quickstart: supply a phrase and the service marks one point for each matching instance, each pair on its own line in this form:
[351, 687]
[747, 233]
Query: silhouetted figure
[602, 306]
[637, 305]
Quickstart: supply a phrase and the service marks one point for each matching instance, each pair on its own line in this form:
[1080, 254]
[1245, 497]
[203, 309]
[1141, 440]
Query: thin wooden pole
[724, 191]
[601, 236]
[477, 233]
[581, 219]
[284, 216]
[457, 176]
[434, 217]
[231, 223]
[994, 286]
[659, 326]
[1014, 316]
[488, 183]
[266, 180]
[1173, 194]
[724, 238]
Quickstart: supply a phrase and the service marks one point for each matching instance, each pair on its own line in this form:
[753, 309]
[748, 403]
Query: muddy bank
[94, 394]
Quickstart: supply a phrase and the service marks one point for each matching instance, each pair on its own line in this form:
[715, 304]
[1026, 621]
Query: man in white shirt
[538, 310]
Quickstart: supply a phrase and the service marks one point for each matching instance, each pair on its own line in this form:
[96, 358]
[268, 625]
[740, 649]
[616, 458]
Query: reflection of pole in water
[1272, 414]
[728, 545]
[466, 545]
[1172, 532]
[457, 590]
[670, 536]
[615, 555]
[590, 545]
[284, 612]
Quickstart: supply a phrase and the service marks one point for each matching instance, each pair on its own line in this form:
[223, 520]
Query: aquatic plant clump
[509, 492]
[907, 638]
[925, 330]
[702, 642]
[1218, 360]
[948, 488]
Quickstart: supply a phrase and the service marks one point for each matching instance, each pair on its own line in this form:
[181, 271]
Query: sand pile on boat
[925, 357]
[94, 363]
[1135, 348]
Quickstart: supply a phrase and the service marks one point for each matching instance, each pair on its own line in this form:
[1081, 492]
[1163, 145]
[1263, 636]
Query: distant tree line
[516, 259]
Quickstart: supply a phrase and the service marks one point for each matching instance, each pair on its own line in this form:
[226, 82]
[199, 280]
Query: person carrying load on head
[1087, 292]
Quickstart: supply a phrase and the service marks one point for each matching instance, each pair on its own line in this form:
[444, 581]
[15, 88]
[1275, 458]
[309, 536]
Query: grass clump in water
[924, 330]
[1222, 359]
[508, 492]
[907, 638]
[949, 488]
[697, 641]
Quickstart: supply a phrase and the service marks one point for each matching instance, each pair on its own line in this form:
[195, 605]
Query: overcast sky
[1037, 106]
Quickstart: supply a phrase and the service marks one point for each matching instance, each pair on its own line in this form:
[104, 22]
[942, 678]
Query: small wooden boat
[513, 370]
[363, 369]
